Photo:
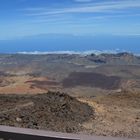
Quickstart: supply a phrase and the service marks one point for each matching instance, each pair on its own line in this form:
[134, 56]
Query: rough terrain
[50, 111]
[102, 93]
[115, 115]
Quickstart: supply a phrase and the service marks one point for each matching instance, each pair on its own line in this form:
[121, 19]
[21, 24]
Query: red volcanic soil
[25, 84]
[43, 84]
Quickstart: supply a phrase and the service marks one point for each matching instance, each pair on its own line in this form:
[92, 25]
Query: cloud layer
[98, 7]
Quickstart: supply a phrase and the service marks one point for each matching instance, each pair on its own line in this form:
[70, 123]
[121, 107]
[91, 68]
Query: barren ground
[115, 115]
[102, 93]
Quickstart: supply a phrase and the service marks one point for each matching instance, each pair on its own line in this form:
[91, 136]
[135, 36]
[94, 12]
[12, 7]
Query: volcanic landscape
[73, 93]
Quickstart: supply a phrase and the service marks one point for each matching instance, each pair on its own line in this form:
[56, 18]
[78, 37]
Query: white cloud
[83, 0]
[101, 7]
[83, 53]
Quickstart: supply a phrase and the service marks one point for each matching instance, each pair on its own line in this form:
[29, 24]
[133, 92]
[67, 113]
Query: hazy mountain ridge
[108, 58]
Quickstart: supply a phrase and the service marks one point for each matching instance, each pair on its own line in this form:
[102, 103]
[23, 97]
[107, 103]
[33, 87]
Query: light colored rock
[18, 119]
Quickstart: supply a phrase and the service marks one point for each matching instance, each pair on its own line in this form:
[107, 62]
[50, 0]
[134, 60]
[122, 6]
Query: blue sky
[20, 19]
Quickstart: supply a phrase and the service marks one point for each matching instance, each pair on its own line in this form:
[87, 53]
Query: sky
[80, 23]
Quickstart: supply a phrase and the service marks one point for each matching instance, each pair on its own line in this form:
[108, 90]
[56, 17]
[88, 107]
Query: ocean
[70, 43]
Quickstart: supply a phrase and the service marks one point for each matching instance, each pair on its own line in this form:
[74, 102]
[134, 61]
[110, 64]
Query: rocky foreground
[51, 111]
[108, 115]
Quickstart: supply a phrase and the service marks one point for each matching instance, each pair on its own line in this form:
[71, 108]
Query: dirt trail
[115, 115]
